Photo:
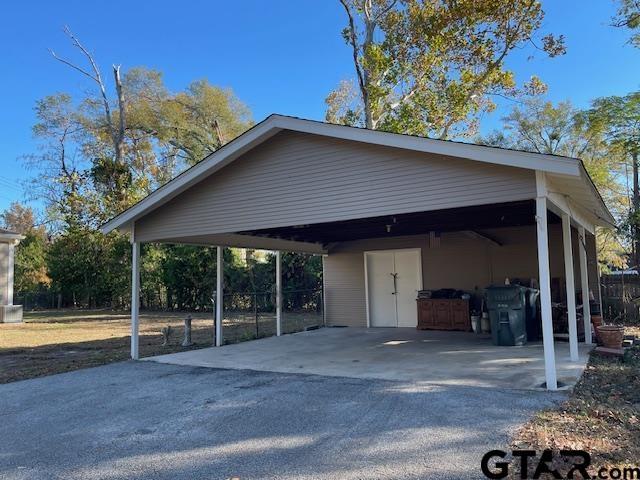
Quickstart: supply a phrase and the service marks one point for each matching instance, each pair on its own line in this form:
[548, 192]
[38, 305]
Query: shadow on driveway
[145, 420]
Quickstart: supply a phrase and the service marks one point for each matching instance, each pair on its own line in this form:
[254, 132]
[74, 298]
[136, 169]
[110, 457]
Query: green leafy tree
[31, 273]
[302, 279]
[430, 67]
[118, 142]
[30, 257]
[561, 129]
[628, 16]
[106, 149]
[620, 120]
[189, 276]
[89, 269]
[103, 151]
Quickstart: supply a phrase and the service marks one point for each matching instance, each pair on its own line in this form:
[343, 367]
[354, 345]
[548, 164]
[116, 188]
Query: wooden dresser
[443, 314]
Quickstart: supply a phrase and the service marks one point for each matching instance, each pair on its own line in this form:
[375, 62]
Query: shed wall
[460, 262]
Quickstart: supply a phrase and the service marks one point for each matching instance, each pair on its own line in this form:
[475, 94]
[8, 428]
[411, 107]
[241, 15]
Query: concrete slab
[430, 357]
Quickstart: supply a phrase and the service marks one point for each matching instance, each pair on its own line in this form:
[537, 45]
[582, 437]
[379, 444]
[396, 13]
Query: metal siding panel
[299, 178]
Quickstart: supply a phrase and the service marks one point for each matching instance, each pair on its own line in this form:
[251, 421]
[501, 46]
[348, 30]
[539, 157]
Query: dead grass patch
[61, 341]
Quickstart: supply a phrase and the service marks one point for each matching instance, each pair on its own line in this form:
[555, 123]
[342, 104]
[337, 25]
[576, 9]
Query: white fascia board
[481, 153]
[564, 205]
[220, 158]
[597, 210]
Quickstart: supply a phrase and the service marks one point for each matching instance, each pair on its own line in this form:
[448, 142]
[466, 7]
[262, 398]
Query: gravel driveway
[145, 420]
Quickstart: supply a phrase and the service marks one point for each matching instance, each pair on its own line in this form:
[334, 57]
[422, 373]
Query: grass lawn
[601, 415]
[59, 341]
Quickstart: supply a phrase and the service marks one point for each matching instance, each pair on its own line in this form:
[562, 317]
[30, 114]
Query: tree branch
[67, 62]
[353, 40]
[96, 77]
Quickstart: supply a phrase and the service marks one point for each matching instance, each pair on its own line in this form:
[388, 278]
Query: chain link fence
[252, 315]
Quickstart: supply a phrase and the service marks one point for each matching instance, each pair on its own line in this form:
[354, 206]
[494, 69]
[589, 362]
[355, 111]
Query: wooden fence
[621, 298]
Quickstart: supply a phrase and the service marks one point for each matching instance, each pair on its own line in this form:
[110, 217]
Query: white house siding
[460, 262]
[297, 178]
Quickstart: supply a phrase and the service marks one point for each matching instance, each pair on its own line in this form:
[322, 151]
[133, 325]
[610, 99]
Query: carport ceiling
[456, 219]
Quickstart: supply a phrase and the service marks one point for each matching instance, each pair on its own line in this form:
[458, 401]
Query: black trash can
[507, 305]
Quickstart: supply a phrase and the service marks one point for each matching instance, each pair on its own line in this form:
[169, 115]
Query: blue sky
[278, 56]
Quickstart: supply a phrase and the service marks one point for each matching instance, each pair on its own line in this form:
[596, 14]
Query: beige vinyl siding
[460, 262]
[297, 178]
[344, 290]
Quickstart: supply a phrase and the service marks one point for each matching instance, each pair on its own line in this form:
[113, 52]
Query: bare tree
[117, 133]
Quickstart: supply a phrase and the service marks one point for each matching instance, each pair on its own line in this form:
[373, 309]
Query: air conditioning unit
[10, 313]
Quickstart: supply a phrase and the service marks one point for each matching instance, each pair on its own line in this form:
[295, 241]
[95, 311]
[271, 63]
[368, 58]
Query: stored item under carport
[507, 305]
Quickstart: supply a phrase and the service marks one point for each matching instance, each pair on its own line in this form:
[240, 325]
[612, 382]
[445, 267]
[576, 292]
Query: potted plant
[611, 336]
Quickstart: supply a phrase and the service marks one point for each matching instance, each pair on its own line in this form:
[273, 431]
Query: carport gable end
[561, 168]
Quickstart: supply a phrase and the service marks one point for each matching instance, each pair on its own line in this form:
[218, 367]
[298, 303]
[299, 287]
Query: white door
[393, 280]
[408, 268]
[382, 307]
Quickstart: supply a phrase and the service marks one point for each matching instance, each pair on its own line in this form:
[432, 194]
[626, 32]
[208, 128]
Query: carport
[437, 213]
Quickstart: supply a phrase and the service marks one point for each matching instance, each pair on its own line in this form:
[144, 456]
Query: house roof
[559, 167]
[9, 236]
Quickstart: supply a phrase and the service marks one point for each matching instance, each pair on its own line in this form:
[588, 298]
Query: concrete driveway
[433, 357]
[145, 420]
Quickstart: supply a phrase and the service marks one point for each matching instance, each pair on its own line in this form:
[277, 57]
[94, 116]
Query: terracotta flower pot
[610, 336]
[596, 321]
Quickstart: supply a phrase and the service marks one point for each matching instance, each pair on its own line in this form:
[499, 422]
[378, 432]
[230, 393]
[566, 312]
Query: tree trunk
[218, 130]
[369, 29]
[118, 136]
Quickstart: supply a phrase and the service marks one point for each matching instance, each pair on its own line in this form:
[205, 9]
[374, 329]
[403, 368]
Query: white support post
[324, 293]
[219, 295]
[135, 297]
[278, 293]
[584, 283]
[571, 288]
[10, 273]
[545, 283]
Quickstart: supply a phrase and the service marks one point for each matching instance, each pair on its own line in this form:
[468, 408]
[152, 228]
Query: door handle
[395, 284]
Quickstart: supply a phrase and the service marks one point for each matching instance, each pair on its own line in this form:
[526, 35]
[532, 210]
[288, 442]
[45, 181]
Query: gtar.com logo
[495, 465]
